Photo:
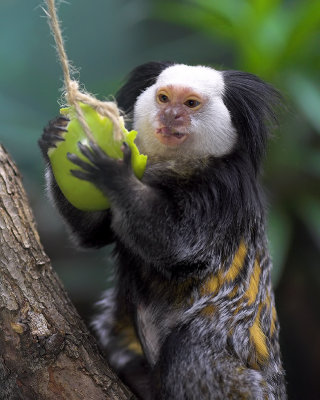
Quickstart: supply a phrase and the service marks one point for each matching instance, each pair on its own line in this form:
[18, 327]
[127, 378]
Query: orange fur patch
[273, 320]
[233, 292]
[214, 282]
[253, 288]
[237, 263]
[129, 338]
[208, 310]
[211, 285]
[258, 339]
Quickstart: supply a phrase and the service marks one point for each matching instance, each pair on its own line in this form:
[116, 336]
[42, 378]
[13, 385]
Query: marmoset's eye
[163, 98]
[191, 103]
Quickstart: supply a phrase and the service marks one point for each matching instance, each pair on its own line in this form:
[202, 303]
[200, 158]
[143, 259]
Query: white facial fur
[210, 132]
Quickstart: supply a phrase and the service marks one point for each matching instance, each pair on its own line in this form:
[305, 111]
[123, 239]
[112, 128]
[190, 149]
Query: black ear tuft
[251, 103]
[139, 79]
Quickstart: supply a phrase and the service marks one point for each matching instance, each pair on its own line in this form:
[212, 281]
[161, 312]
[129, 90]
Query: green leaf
[193, 16]
[306, 94]
[305, 24]
[264, 6]
[231, 10]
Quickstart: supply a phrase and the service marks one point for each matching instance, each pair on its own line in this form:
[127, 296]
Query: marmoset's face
[183, 114]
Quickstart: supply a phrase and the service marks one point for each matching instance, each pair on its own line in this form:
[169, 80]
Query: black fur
[88, 229]
[172, 233]
[140, 79]
[84, 227]
[181, 351]
[251, 103]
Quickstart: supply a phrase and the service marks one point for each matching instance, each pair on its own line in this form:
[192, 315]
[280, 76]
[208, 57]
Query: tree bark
[46, 351]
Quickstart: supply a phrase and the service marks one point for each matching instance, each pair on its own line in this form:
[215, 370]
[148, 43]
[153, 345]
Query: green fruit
[82, 194]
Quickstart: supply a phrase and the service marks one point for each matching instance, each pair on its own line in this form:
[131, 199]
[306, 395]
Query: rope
[73, 95]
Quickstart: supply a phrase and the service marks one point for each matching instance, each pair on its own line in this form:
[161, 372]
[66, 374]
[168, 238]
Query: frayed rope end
[73, 94]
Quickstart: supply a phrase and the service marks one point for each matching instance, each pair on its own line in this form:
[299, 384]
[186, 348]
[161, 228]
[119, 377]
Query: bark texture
[46, 351]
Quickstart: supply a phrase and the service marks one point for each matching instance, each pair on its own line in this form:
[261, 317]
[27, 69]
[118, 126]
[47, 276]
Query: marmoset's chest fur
[235, 304]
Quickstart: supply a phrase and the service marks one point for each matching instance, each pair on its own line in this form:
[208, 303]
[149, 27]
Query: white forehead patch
[204, 79]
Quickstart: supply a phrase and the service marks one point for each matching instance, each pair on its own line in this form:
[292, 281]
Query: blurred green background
[278, 40]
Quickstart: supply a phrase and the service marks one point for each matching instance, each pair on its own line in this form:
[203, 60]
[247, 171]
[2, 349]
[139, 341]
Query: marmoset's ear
[139, 80]
[251, 103]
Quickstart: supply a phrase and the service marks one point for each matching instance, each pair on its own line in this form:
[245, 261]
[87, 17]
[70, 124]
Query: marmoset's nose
[173, 116]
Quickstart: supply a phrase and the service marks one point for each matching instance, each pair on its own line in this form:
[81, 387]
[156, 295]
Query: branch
[46, 351]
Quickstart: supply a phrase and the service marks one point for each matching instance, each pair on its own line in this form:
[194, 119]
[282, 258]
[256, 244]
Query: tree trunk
[46, 351]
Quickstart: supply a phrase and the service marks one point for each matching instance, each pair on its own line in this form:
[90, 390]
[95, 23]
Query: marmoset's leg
[116, 334]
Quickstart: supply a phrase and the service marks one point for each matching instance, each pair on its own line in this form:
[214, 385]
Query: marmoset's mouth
[169, 136]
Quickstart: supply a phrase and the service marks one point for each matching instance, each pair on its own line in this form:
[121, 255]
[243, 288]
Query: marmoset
[192, 313]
